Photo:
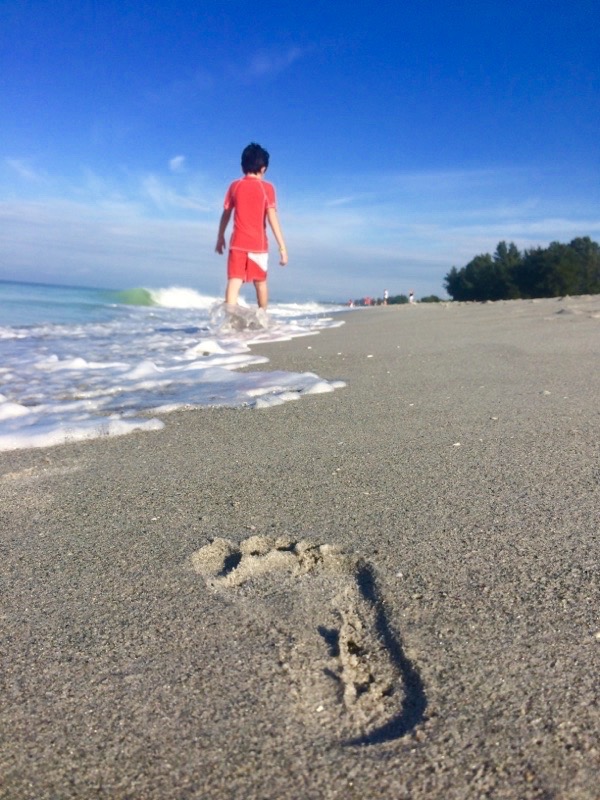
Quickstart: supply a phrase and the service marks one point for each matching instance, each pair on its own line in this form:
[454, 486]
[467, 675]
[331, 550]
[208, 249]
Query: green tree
[483, 278]
[455, 284]
[559, 269]
[507, 255]
[530, 275]
[479, 275]
[588, 255]
[506, 260]
[549, 272]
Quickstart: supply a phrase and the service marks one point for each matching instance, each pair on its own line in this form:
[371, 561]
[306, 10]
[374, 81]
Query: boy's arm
[225, 217]
[276, 228]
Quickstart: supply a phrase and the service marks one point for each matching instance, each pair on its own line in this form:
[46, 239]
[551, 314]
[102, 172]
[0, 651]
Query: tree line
[554, 271]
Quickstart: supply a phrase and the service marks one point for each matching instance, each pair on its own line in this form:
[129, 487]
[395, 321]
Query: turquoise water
[38, 303]
[79, 363]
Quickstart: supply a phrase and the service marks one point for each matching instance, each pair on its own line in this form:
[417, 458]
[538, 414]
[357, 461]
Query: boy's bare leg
[262, 294]
[232, 291]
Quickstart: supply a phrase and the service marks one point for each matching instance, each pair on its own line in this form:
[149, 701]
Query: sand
[389, 591]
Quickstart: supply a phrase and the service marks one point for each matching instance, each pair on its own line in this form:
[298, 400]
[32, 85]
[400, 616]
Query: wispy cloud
[166, 198]
[66, 241]
[341, 201]
[24, 169]
[271, 62]
[146, 229]
[177, 164]
[265, 64]
[184, 89]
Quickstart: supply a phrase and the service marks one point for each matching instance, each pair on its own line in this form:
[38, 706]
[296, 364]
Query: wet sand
[386, 591]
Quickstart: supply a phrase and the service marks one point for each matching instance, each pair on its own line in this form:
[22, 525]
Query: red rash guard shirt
[250, 198]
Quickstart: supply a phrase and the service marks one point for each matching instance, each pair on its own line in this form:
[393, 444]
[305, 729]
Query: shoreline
[455, 471]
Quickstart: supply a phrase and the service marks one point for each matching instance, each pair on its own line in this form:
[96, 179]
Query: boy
[253, 200]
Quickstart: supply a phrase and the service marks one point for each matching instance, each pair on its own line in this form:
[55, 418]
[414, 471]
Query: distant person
[411, 296]
[386, 295]
[252, 201]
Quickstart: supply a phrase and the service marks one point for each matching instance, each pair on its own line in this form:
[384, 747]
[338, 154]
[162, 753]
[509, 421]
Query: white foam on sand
[64, 383]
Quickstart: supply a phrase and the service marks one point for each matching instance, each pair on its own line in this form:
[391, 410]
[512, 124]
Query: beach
[385, 591]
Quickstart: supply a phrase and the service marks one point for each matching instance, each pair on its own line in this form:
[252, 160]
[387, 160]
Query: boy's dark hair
[254, 158]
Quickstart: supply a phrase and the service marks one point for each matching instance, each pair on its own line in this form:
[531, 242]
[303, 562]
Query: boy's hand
[221, 245]
[283, 258]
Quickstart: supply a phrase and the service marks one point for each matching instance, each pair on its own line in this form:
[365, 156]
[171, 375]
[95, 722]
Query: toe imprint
[348, 672]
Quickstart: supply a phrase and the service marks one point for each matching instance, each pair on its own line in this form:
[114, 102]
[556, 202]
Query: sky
[405, 138]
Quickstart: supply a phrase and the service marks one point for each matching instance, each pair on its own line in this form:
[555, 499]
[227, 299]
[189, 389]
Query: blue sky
[404, 138]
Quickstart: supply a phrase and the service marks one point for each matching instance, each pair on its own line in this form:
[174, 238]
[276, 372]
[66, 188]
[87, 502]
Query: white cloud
[182, 90]
[265, 63]
[134, 230]
[68, 241]
[24, 169]
[177, 164]
[272, 62]
[165, 198]
[341, 201]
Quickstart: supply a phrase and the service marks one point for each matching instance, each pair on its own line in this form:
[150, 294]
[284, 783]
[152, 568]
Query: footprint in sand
[348, 672]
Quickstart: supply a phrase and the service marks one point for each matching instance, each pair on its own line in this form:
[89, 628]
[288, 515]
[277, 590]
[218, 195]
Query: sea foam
[64, 382]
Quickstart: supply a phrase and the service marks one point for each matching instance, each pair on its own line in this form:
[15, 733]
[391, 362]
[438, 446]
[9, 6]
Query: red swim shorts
[241, 265]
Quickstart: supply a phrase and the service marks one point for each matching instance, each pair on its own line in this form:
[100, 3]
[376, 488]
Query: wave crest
[169, 297]
[131, 297]
[181, 297]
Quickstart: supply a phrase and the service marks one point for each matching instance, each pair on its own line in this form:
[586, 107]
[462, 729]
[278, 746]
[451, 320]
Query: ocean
[81, 363]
